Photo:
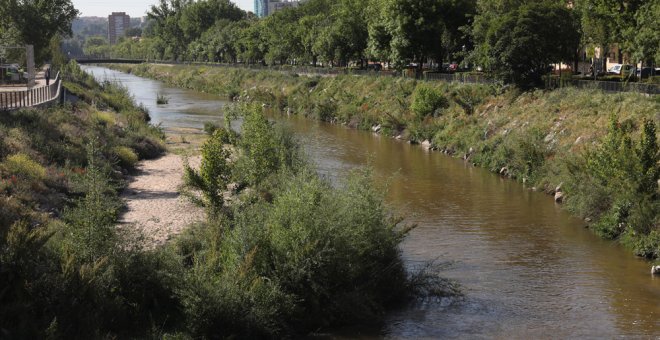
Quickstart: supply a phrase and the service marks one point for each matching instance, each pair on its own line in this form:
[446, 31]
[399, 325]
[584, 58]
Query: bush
[214, 172]
[23, 166]
[126, 156]
[619, 186]
[427, 101]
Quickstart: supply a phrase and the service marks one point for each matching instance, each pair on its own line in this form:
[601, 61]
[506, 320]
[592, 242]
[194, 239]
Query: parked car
[623, 69]
[374, 67]
[646, 72]
[11, 73]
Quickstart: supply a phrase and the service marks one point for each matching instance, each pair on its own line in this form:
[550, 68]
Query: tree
[518, 45]
[166, 16]
[646, 36]
[96, 47]
[416, 28]
[281, 35]
[608, 22]
[37, 21]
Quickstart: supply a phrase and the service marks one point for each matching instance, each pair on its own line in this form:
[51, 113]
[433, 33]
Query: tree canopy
[513, 40]
[36, 22]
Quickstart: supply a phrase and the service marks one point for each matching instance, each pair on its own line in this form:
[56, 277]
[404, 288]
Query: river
[528, 268]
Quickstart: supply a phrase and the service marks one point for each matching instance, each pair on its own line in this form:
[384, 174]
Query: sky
[134, 8]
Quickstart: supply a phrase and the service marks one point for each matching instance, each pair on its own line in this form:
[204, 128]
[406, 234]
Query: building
[264, 8]
[261, 8]
[118, 23]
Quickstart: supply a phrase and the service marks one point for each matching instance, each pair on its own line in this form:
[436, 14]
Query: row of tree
[515, 40]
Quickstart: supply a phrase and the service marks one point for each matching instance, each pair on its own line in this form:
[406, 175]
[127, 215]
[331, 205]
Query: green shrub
[618, 185]
[23, 166]
[427, 101]
[126, 156]
[105, 118]
[214, 172]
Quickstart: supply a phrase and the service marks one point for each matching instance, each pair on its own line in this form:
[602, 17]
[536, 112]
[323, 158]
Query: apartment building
[118, 23]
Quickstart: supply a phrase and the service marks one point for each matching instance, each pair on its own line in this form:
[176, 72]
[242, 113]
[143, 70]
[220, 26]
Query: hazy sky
[134, 8]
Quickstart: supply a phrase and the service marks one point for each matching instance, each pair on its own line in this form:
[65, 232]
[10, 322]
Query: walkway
[39, 80]
[155, 206]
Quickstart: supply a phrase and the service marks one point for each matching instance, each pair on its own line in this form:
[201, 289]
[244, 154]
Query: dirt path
[154, 204]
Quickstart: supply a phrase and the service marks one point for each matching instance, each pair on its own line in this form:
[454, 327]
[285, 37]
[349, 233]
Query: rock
[549, 137]
[559, 196]
[504, 171]
[376, 128]
[655, 270]
[426, 144]
[398, 137]
[587, 219]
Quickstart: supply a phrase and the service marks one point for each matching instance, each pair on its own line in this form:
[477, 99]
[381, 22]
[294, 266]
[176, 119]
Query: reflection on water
[528, 269]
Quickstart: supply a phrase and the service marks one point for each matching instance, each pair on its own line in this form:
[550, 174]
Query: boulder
[559, 196]
[549, 137]
[655, 270]
[426, 144]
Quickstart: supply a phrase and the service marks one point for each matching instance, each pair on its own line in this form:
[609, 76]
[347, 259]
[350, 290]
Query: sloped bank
[598, 150]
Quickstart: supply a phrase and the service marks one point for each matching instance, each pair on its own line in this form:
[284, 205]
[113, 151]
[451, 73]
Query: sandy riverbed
[154, 205]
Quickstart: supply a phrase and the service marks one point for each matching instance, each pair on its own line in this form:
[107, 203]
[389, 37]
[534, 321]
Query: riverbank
[64, 264]
[544, 139]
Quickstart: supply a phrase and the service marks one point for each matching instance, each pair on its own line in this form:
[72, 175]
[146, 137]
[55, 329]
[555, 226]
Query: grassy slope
[539, 137]
[60, 171]
[55, 142]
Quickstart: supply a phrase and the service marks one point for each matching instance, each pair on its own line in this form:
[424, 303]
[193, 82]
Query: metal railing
[13, 100]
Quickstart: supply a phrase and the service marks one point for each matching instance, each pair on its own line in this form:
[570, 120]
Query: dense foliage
[35, 22]
[284, 252]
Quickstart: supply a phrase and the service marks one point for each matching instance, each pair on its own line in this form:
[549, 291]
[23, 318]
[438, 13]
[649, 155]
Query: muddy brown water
[528, 269]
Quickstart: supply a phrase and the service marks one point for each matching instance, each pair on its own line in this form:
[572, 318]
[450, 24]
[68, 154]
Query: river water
[528, 269]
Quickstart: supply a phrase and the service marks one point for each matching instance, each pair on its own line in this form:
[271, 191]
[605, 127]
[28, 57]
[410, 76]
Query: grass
[162, 99]
[537, 137]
